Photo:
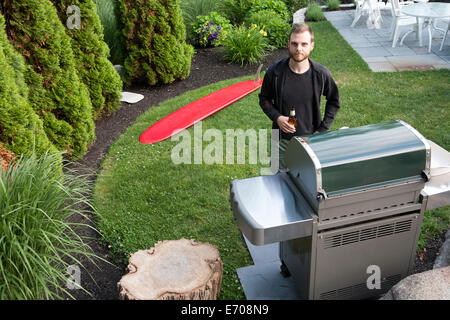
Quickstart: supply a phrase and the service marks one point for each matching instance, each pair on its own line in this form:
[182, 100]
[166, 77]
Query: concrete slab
[265, 282]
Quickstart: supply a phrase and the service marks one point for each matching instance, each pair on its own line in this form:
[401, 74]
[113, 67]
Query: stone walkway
[374, 46]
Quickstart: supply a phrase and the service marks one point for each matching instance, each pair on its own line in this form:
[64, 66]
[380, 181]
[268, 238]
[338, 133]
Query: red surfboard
[198, 110]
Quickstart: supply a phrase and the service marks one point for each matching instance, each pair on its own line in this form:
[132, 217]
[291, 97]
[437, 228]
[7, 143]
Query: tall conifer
[91, 54]
[21, 130]
[56, 93]
[155, 37]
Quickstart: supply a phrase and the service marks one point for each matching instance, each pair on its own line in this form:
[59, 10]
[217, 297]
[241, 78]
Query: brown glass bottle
[292, 119]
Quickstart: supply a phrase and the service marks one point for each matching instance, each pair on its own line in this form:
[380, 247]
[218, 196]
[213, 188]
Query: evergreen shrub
[155, 38]
[91, 56]
[21, 130]
[56, 93]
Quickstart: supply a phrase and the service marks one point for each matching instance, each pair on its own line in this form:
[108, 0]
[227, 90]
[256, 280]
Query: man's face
[300, 46]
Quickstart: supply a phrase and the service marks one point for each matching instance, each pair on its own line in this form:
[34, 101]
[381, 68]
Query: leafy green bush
[112, 32]
[155, 38]
[276, 5]
[277, 29]
[236, 10]
[38, 243]
[211, 30]
[191, 9]
[91, 56]
[314, 12]
[56, 93]
[246, 45]
[333, 4]
[21, 130]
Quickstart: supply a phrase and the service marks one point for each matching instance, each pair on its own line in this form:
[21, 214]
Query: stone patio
[375, 46]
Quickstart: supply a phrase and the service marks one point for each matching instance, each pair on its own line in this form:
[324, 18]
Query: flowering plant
[246, 45]
[270, 21]
[211, 30]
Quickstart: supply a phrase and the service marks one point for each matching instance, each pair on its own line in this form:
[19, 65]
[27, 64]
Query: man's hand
[282, 122]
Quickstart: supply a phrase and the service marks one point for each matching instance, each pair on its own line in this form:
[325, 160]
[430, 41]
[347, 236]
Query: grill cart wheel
[284, 270]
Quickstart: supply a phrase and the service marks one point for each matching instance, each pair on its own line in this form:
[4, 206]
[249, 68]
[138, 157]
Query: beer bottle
[292, 119]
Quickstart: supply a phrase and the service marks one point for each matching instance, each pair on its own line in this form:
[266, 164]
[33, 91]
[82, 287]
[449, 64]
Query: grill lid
[349, 160]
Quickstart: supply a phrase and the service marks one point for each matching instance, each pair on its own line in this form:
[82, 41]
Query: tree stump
[173, 270]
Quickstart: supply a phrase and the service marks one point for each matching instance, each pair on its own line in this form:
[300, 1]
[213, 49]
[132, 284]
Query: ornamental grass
[38, 243]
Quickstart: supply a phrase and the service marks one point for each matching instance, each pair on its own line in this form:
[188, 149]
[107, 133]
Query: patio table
[429, 11]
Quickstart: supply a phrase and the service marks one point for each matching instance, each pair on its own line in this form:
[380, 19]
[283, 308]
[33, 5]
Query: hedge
[155, 38]
[21, 130]
[91, 55]
[56, 93]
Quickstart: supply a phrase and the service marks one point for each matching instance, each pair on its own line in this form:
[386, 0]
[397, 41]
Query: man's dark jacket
[270, 97]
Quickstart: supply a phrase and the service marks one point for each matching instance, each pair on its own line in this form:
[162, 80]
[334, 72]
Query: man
[298, 82]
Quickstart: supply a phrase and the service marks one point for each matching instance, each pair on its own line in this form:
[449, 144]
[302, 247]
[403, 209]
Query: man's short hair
[301, 27]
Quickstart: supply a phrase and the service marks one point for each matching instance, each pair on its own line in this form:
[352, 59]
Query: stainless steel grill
[350, 199]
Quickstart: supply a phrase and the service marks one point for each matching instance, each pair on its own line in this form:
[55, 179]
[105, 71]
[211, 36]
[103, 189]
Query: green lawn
[143, 197]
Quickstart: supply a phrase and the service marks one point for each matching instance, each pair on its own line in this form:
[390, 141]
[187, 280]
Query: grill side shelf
[268, 210]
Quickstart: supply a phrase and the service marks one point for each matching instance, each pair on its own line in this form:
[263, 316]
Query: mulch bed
[6, 157]
[207, 68]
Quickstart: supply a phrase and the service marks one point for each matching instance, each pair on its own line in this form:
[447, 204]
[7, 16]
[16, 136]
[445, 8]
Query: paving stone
[357, 39]
[415, 68]
[375, 59]
[373, 52]
[416, 60]
[400, 51]
[446, 58]
[419, 50]
[365, 45]
[381, 67]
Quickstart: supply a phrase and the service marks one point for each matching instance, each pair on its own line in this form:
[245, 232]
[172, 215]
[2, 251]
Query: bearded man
[298, 82]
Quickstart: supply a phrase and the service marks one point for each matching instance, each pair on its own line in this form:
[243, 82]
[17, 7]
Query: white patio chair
[371, 8]
[445, 36]
[400, 20]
